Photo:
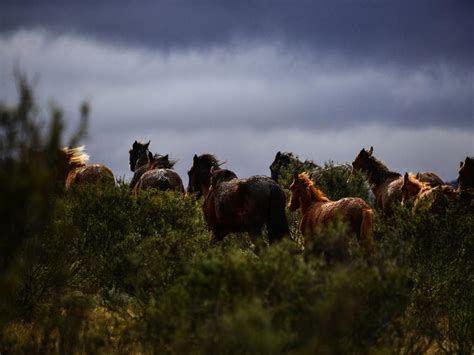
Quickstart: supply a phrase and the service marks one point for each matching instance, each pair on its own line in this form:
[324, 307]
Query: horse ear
[468, 161]
[166, 157]
[195, 158]
[461, 164]
[278, 154]
[146, 145]
[405, 178]
[295, 176]
[371, 150]
[418, 175]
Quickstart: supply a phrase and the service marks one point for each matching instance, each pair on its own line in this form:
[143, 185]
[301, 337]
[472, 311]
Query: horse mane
[211, 159]
[421, 185]
[315, 192]
[381, 169]
[156, 157]
[76, 156]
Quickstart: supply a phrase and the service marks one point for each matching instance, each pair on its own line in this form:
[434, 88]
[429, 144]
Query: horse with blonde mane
[318, 210]
[74, 169]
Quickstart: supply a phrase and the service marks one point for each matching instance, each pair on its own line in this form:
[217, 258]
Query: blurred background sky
[245, 79]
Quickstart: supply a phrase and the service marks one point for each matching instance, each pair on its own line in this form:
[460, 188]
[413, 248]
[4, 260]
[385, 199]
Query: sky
[245, 79]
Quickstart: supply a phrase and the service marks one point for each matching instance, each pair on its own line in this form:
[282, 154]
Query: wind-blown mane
[76, 171]
[76, 157]
[211, 159]
[315, 192]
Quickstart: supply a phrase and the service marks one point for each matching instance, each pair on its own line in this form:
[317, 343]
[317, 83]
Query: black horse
[238, 205]
[286, 164]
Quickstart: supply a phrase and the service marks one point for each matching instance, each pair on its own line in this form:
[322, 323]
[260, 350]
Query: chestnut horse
[76, 171]
[423, 194]
[238, 205]
[318, 210]
[152, 171]
[386, 184]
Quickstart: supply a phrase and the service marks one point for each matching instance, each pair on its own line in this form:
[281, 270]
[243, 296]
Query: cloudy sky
[244, 79]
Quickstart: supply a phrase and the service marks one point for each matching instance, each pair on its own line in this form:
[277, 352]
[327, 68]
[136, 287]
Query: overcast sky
[244, 79]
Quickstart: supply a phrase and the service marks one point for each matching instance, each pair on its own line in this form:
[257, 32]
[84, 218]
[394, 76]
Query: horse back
[348, 209]
[162, 179]
[90, 174]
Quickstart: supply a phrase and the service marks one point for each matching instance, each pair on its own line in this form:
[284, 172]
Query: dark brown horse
[422, 194]
[285, 161]
[76, 171]
[200, 173]
[386, 184]
[160, 175]
[317, 210]
[152, 171]
[238, 205]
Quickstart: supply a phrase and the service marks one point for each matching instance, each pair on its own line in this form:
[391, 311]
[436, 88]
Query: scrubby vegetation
[98, 269]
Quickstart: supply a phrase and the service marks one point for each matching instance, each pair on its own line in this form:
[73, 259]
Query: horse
[465, 180]
[200, 173]
[386, 184]
[74, 169]
[139, 155]
[284, 161]
[318, 210]
[238, 205]
[152, 170]
[160, 175]
[423, 194]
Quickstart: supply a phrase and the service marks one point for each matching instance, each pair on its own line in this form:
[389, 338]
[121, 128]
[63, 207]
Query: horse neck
[310, 198]
[142, 161]
[378, 173]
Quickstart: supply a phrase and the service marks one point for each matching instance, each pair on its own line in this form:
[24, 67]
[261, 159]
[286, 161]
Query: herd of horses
[231, 204]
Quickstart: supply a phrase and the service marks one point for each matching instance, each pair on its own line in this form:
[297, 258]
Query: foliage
[99, 269]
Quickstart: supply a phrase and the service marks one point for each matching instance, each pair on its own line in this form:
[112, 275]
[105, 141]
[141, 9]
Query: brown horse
[386, 184]
[200, 173]
[75, 171]
[318, 210]
[423, 194]
[160, 175]
[238, 205]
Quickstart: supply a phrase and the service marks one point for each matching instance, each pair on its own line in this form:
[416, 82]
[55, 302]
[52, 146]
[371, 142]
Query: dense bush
[98, 269]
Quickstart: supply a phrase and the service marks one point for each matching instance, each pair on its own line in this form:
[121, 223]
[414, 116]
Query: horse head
[139, 155]
[200, 173]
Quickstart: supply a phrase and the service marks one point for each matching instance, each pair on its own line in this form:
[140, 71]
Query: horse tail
[366, 226]
[277, 225]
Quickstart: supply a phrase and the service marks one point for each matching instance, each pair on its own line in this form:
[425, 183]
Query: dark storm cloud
[370, 31]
